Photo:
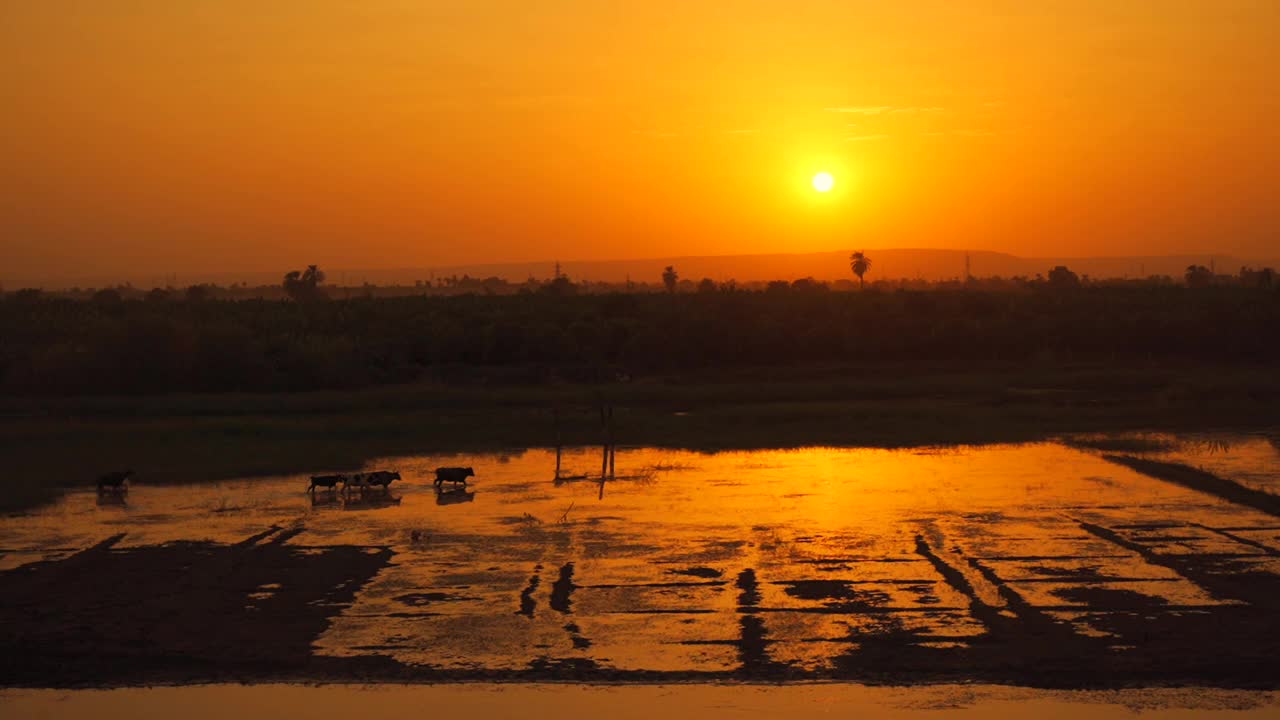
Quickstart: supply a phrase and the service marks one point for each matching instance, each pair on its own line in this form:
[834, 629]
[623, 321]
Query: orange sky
[178, 135]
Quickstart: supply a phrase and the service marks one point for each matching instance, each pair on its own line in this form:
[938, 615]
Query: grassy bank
[50, 444]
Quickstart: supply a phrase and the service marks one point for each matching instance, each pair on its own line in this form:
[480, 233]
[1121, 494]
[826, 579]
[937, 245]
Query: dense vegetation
[51, 345]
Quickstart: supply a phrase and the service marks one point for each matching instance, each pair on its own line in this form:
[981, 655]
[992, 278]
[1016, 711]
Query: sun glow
[823, 182]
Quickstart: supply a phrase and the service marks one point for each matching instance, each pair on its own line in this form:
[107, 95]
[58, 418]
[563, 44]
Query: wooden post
[610, 439]
[555, 414]
[604, 468]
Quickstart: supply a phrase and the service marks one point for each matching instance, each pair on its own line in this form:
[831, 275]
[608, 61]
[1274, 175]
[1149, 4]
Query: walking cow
[382, 477]
[114, 480]
[326, 481]
[453, 475]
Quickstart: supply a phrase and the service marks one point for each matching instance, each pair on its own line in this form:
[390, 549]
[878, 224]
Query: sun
[823, 182]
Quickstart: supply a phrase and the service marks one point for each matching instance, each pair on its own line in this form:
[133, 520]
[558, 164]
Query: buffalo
[453, 475]
[114, 480]
[326, 481]
[382, 477]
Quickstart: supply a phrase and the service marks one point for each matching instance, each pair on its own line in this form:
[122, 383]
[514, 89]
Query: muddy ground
[1035, 565]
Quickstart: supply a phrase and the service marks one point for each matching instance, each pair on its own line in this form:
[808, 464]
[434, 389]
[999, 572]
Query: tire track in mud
[1019, 627]
[562, 602]
[562, 590]
[1248, 627]
[1236, 538]
[988, 615]
[1213, 573]
[257, 537]
[753, 640]
[288, 535]
[528, 605]
[1031, 617]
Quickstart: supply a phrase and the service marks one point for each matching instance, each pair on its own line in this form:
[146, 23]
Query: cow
[453, 475]
[114, 480]
[360, 481]
[382, 477]
[326, 481]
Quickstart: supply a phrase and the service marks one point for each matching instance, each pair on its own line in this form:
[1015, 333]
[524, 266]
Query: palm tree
[859, 263]
[313, 276]
[304, 286]
[669, 278]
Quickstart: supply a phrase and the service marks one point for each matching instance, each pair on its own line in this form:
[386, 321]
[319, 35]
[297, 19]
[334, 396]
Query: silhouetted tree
[1062, 277]
[1198, 276]
[1263, 278]
[669, 278]
[706, 285]
[158, 295]
[808, 284]
[305, 286]
[561, 285]
[197, 293]
[107, 296]
[859, 263]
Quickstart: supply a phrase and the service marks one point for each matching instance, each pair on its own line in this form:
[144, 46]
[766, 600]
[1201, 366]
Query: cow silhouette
[453, 475]
[114, 480]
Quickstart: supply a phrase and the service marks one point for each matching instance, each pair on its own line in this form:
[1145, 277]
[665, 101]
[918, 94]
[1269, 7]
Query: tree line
[57, 345]
[307, 285]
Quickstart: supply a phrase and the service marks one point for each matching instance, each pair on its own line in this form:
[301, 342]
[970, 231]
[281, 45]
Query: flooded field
[1252, 461]
[1041, 565]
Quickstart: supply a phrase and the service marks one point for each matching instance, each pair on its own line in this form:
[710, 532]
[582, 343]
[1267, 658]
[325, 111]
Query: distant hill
[928, 264]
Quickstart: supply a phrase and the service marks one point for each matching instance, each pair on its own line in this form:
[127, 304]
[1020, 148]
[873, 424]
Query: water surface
[814, 563]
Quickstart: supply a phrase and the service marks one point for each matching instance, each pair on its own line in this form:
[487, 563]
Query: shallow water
[673, 702]
[1251, 460]
[820, 562]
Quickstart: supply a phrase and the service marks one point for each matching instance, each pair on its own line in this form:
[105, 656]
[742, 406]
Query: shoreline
[56, 443]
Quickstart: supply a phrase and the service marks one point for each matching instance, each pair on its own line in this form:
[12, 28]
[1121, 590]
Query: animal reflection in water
[454, 496]
[113, 499]
[359, 481]
[370, 501]
[326, 499]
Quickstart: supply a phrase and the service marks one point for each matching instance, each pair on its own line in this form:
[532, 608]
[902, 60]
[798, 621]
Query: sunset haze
[158, 136]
